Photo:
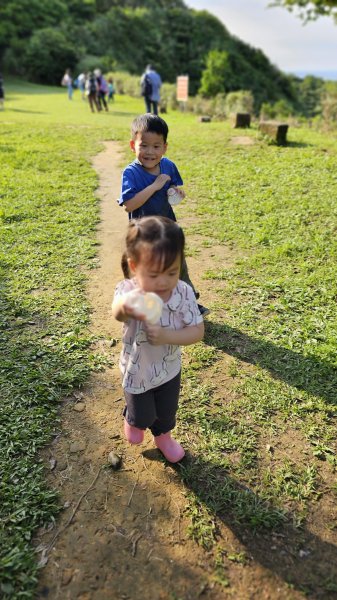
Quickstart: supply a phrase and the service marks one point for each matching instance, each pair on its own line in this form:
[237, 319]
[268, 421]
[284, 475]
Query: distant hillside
[126, 35]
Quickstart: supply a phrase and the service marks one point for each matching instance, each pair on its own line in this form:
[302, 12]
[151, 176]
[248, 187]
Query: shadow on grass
[298, 145]
[304, 372]
[29, 112]
[120, 113]
[296, 555]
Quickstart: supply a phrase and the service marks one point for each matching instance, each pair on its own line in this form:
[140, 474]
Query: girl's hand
[155, 334]
[131, 312]
[123, 311]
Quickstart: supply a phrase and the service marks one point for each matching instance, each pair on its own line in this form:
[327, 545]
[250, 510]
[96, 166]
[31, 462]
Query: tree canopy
[309, 9]
[39, 40]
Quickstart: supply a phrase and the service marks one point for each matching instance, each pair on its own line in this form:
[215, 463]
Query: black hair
[164, 237]
[149, 122]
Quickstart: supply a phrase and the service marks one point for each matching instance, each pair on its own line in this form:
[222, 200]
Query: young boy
[146, 180]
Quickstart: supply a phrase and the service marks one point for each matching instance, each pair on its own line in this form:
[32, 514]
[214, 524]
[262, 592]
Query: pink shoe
[133, 434]
[171, 449]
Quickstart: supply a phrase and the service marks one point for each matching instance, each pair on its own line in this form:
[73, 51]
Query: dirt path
[123, 534]
[128, 532]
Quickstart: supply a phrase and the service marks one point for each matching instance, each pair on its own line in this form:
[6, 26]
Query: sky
[290, 45]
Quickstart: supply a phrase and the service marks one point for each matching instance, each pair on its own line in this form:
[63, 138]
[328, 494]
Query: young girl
[150, 359]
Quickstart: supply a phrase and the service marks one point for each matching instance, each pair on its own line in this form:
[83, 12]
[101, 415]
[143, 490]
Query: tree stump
[205, 119]
[240, 120]
[275, 130]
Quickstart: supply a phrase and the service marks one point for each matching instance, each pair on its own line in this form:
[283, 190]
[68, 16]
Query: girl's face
[149, 147]
[151, 278]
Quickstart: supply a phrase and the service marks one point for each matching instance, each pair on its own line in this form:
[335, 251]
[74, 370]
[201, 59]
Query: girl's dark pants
[155, 409]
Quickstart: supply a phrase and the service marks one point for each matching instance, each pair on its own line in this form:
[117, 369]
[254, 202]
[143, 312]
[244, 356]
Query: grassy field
[271, 342]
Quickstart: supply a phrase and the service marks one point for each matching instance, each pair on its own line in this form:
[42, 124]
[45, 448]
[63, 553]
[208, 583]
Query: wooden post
[241, 120]
[275, 130]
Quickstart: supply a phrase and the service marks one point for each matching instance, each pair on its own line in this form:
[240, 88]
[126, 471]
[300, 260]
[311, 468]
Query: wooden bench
[275, 130]
[205, 119]
[240, 120]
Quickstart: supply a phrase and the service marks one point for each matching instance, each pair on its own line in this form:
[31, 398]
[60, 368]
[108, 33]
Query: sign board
[182, 88]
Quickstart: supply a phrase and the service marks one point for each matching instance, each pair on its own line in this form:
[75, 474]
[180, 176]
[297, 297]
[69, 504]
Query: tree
[19, 18]
[309, 10]
[216, 76]
[48, 54]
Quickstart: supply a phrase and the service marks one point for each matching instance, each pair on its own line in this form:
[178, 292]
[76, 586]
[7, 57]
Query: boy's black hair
[149, 122]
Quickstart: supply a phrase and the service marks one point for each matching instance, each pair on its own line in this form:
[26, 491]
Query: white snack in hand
[173, 196]
[148, 304]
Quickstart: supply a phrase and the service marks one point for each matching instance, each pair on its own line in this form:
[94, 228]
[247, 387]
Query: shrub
[279, 110]
[90, 62]
[329, 109]
[47, 55]
[240, 101]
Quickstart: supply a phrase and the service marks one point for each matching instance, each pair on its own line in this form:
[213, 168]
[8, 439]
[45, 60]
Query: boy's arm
[191, 334]
[141, 197]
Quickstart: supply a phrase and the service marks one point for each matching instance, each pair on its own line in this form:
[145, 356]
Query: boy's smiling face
[149, 147]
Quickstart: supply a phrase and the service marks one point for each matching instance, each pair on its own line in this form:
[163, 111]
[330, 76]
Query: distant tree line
[40, 39]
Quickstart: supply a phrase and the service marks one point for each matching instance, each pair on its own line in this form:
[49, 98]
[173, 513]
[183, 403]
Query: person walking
[67, 81]
[111, 90]
[81, 84]
[150, 88]
[2, 92]
[102, 89]
[91, 89]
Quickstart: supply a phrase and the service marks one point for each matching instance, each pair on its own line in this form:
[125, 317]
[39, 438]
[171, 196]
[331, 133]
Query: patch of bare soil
[242, 140]
[123, 534]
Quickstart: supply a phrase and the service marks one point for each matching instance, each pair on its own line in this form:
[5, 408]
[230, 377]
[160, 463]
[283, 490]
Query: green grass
[48, 214]
[259, 440]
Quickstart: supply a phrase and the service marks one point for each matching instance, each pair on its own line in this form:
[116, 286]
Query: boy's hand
[181, 192]
[160, 181]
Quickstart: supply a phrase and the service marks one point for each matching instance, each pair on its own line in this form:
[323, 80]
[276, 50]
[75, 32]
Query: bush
[240, 101]
[125, 83]
[222, 105]
[329, 110]
[90, 62]
[200, 105]
[47, 55]
[279, 110]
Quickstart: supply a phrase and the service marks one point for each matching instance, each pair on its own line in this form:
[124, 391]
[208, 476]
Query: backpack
[92, 87]
[103, 86]
[146, 86]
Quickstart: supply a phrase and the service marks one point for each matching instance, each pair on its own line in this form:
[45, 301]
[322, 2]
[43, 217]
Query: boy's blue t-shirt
[135, 178]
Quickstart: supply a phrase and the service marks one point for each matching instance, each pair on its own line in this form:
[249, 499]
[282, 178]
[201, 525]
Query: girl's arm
[157, 336]
[122, 312]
